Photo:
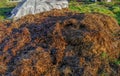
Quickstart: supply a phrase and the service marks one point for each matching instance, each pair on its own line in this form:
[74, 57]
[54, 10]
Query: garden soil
[60, 43]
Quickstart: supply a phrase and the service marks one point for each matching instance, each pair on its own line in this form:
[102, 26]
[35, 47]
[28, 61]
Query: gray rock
[37, 6]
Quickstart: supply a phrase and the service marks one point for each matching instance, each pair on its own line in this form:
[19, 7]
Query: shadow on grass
[118, 17]
[5, 12]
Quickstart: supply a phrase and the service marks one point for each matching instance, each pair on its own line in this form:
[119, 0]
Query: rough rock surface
[37, 6]
[60, 43]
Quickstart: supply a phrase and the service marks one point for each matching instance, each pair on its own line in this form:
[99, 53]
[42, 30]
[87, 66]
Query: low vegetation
[111, 9]
[5, 8]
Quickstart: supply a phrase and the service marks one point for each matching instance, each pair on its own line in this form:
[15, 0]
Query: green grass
[116, 11]
[111, 9]
[5, 8]
[4, 12]
[3, 3]
[117, 62]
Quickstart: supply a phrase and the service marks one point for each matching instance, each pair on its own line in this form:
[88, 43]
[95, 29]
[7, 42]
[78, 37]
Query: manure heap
[60, 43]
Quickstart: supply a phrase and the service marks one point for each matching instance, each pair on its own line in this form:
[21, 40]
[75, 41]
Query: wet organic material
[60, 43]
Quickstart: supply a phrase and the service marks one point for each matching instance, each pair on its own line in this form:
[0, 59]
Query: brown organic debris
[60, 43]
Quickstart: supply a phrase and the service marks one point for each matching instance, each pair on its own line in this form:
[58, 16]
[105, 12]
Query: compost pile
[60, 43]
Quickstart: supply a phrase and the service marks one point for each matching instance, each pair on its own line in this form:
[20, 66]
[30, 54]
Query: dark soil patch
[60, 43]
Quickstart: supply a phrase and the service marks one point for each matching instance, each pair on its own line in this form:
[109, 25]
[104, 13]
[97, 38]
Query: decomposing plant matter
[60, 43]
